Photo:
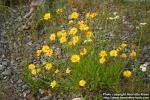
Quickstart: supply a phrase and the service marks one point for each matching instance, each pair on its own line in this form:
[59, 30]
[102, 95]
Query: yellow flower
[68, 71]
[87, 15]
[91, 15]
[34, 71]
[38, 52]
[64, 34]
[38, 70]
[45, 48]
[123, 55]
[75, 39]
[83, 51]
[70, 43]
[52, 37]
[61, 33]
[80, 22]
[88, 34]
[75, 58]
[113, 53]
[73, 31]
[31, 66]
[94, 14]
[70, 22]
[119, 49]
[83, 27]
[57, 71]
[74, 15]
[103, 53]
[123, 45]
[48, 66]
[44, 62]
[53, 84]
[63, 39]
[82, 83]
[49, 53]
[47, 16]
[127, 73]
[133, 53]
[102, 60]
[59, 11]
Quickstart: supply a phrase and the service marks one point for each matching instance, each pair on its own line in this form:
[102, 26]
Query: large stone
[7, 72]
[4, 63]
[2, 51]
[2, 67]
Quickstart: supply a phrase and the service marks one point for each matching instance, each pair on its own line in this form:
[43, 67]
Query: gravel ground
[11, 85]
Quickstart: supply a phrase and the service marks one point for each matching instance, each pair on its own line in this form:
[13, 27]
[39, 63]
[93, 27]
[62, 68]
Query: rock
[29, 43]
[28, 91]
[2, 51]
[24, 87]
[2, 68]
[76, 99]
[47, 98]
[20, 84]
[146, 64]
[148, 76]
[41, 91]
[4, 63]
[24, 94]
[7, 72]
[19, 81]
[5, 77]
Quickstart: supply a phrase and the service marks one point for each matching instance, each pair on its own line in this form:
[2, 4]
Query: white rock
[117, 17]
[76, 99]
[146, 64]
[111, 18]
[115, 13]
[143, 24]
[88, 40]
[7, 72]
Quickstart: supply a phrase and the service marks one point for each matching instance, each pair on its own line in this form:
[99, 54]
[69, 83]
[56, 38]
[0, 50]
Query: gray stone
[19, 81]
[29, 43]
[24, 87]
[24, 94]
[7, 72]
[20, 84]
[4, 63]
[47, 98]
[2, 51]
[2, 68]
[41, 91]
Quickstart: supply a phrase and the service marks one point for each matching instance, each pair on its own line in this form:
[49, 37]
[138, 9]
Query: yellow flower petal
[82, 83]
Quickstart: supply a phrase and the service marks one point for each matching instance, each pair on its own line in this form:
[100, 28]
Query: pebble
[41, 91]
[19, 81]
[24, 94]
[24, 87]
